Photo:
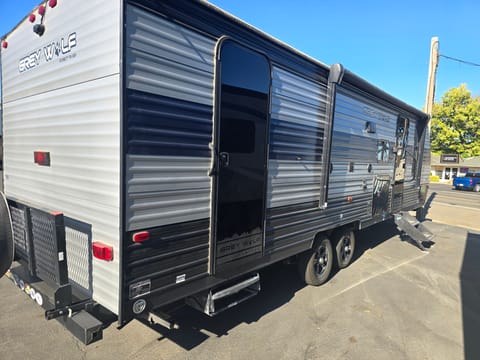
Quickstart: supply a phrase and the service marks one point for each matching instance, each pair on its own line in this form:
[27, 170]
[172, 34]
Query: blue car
[471, 181]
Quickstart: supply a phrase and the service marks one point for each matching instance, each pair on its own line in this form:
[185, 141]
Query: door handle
[224, 158]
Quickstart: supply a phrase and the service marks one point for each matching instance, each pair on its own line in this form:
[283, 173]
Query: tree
[456, 123]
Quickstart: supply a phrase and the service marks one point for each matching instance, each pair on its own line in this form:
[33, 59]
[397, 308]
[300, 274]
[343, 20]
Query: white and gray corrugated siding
[352, 144]
[69, 107]
[294, 223]
[296, 139]
[296, 161]
[169, 77]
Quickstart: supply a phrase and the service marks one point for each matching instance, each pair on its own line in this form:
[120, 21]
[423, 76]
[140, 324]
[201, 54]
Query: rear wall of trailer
[66, 102]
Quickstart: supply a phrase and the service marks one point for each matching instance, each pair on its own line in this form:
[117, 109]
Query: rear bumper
[80, 323]
[43, 271]
[462, 187]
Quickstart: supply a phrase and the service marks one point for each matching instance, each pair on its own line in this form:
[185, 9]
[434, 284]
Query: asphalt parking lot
[392, 302]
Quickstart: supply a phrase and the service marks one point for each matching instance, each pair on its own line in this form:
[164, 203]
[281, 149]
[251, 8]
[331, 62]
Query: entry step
[413, 228]
[220, 299]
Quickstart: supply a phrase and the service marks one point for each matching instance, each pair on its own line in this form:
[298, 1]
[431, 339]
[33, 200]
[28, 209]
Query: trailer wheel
[315, 265]
[6, 237]
[344, 241]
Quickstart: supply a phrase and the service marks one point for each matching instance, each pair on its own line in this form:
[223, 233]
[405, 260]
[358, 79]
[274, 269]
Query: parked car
[471, 181]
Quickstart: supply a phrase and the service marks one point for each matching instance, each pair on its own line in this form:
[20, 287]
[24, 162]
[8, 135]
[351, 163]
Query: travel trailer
[165, 151]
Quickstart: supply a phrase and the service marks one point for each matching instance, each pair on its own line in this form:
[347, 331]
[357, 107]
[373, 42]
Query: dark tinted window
[245, 79]
[244, 69]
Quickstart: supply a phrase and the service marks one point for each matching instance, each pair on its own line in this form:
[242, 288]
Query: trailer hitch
[87, 305]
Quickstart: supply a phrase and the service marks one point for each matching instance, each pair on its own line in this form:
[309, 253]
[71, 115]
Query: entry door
[401, 146]
[241, 146]
[399, 172]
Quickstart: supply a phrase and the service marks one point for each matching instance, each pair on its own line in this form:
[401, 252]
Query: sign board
[449, 158]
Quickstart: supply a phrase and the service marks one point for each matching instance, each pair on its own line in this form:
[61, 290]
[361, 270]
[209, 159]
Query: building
[447, 166]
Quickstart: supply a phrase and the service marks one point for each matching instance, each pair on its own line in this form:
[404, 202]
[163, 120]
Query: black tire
[477, 188]
[315, 265]
[344, 241]
[6, 237]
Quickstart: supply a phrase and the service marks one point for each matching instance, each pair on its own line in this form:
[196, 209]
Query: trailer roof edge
[264, 34]
[4, 36]
[363, 84]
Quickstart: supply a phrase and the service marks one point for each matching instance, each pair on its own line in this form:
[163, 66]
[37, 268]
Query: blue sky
[385, 42]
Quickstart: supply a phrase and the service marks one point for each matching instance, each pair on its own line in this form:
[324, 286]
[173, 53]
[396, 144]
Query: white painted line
[459, 206]
[467, 227]
[368, 278]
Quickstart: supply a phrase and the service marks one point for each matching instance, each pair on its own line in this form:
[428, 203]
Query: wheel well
[354, 226]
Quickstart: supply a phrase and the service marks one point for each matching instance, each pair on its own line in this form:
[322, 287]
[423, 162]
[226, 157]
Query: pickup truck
[470, 181]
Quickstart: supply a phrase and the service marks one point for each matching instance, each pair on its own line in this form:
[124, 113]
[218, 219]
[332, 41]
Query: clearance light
[41, 10]
[4, 44]
[41, 158]
[32, 18]
[349, 199]
[52, 3]
[102, 251]
[141, 236]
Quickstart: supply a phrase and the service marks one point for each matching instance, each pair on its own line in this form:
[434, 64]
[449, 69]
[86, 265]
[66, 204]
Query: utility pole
[432, 75]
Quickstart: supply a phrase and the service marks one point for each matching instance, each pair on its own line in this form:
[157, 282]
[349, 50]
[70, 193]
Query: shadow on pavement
[279, 282]
[373, 236]
[470, 289]
[427, 206]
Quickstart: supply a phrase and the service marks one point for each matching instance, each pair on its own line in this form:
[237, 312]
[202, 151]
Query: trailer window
[383, 151]
[245, 85]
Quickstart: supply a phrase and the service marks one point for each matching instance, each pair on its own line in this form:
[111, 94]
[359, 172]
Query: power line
[460, 60]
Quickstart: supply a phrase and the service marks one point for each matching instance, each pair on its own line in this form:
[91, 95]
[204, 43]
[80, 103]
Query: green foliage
[456, 123]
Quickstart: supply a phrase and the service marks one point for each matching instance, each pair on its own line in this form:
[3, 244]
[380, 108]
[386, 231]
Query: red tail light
[52, 3]
[32, 18]
[141, 236]
[41, 10]
[41, 158]
[4, 44]
[102, 251]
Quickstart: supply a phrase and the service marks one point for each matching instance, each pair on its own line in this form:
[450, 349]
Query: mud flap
[6, 236]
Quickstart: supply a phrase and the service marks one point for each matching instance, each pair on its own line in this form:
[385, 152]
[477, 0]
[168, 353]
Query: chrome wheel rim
[321, 260]
[345, 248]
